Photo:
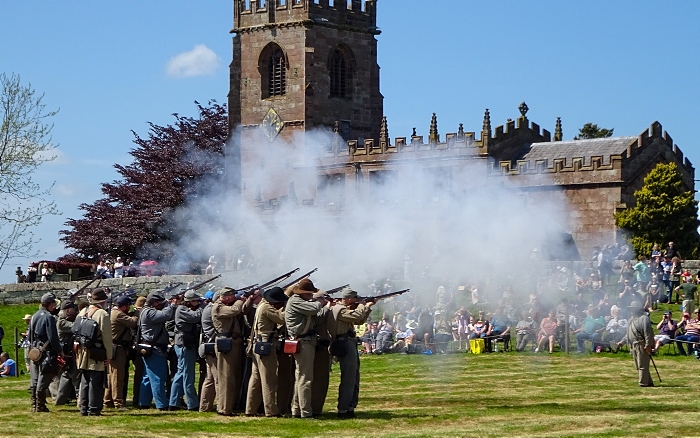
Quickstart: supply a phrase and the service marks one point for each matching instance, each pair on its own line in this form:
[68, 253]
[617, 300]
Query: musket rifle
[337, 289]
[73, 295]
[277, 280]
[383, 296]
[297, 280]
[198, 285]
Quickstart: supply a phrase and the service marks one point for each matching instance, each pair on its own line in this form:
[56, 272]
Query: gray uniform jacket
[152, 324]
[207, 324]
[187, 321]
[296, 313]
[42, 329]
[640, 332]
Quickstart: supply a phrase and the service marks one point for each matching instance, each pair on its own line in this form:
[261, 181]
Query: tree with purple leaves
[136, 216]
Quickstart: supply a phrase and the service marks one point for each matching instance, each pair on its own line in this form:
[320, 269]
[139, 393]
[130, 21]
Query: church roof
[595, 147]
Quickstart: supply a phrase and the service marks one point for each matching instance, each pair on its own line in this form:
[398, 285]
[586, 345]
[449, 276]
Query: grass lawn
[504, 394]
[490, 395]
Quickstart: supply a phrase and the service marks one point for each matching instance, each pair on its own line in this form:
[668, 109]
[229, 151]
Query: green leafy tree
[665, 211]
[591, 130]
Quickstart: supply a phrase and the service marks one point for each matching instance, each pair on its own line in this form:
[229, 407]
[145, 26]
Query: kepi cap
[123, 300]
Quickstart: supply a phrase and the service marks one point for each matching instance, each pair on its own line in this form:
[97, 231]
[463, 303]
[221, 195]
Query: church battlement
[517, 128]
[653, 141]
[350, 14]
[465, 143]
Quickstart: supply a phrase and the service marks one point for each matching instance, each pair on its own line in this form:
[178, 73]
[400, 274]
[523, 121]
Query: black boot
[41, 402]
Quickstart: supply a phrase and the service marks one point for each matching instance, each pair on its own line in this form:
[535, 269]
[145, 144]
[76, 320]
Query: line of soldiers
[264, 353]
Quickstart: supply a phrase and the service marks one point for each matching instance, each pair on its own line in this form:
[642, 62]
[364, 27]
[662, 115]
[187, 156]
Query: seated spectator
[443, 331]
[369, 337]
[478, 327]
[616, 329]
[691, 333]
[591, 329]
[399, 321]
[524, 333]
[499, 328]
[8, 367]
[667, 331]
[548, 330]
[385, 334]
[424, 331]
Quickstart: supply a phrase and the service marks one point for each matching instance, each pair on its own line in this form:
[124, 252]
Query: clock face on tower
[272, 124]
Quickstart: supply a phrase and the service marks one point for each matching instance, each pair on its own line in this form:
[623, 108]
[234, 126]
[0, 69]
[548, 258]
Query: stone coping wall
[26, 293]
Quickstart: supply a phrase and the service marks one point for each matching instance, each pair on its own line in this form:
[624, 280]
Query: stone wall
[26, 293]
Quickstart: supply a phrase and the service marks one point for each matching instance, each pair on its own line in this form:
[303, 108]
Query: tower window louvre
[339, 74]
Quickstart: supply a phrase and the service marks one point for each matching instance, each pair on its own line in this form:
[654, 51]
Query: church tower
[314, 62]
[299, 65]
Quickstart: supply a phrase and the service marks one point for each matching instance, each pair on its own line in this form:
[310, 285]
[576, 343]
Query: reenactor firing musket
[299, 279]
[337, 289]
[382, 296]
[73, 295]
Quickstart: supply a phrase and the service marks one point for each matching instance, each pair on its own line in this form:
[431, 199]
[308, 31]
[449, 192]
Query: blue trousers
[183, 382]
[583, 336]
[153, 383]
[687, 338]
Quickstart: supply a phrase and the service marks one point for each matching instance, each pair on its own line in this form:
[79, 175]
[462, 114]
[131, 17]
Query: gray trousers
[349, 389]
[68, 383]
[642, 360]
[303, 376]
[92, 392]
[40, 381]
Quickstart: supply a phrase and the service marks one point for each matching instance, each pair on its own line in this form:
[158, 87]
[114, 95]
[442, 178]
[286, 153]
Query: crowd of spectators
[593, 305]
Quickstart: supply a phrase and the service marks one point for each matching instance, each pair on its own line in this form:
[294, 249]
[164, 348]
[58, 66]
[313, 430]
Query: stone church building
[299, 65]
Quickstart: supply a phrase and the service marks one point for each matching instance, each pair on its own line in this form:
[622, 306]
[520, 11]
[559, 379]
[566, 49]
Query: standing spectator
[676, 272]
[655, 251]
[642, 272]
[211, 267]
[672, 252]
[666, 266]
[2, 336]
[688, 290]
[32, 272]
[626, 271]
[24, 342]
[118, 268]
[45, 273]
[604, 263]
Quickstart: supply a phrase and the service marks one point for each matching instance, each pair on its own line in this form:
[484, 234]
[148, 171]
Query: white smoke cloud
[200, 61]
[421, 230]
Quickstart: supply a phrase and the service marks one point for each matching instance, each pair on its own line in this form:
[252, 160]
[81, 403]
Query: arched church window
[273, 71]
[340, 70]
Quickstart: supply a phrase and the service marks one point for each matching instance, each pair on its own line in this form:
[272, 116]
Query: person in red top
[548, 330]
